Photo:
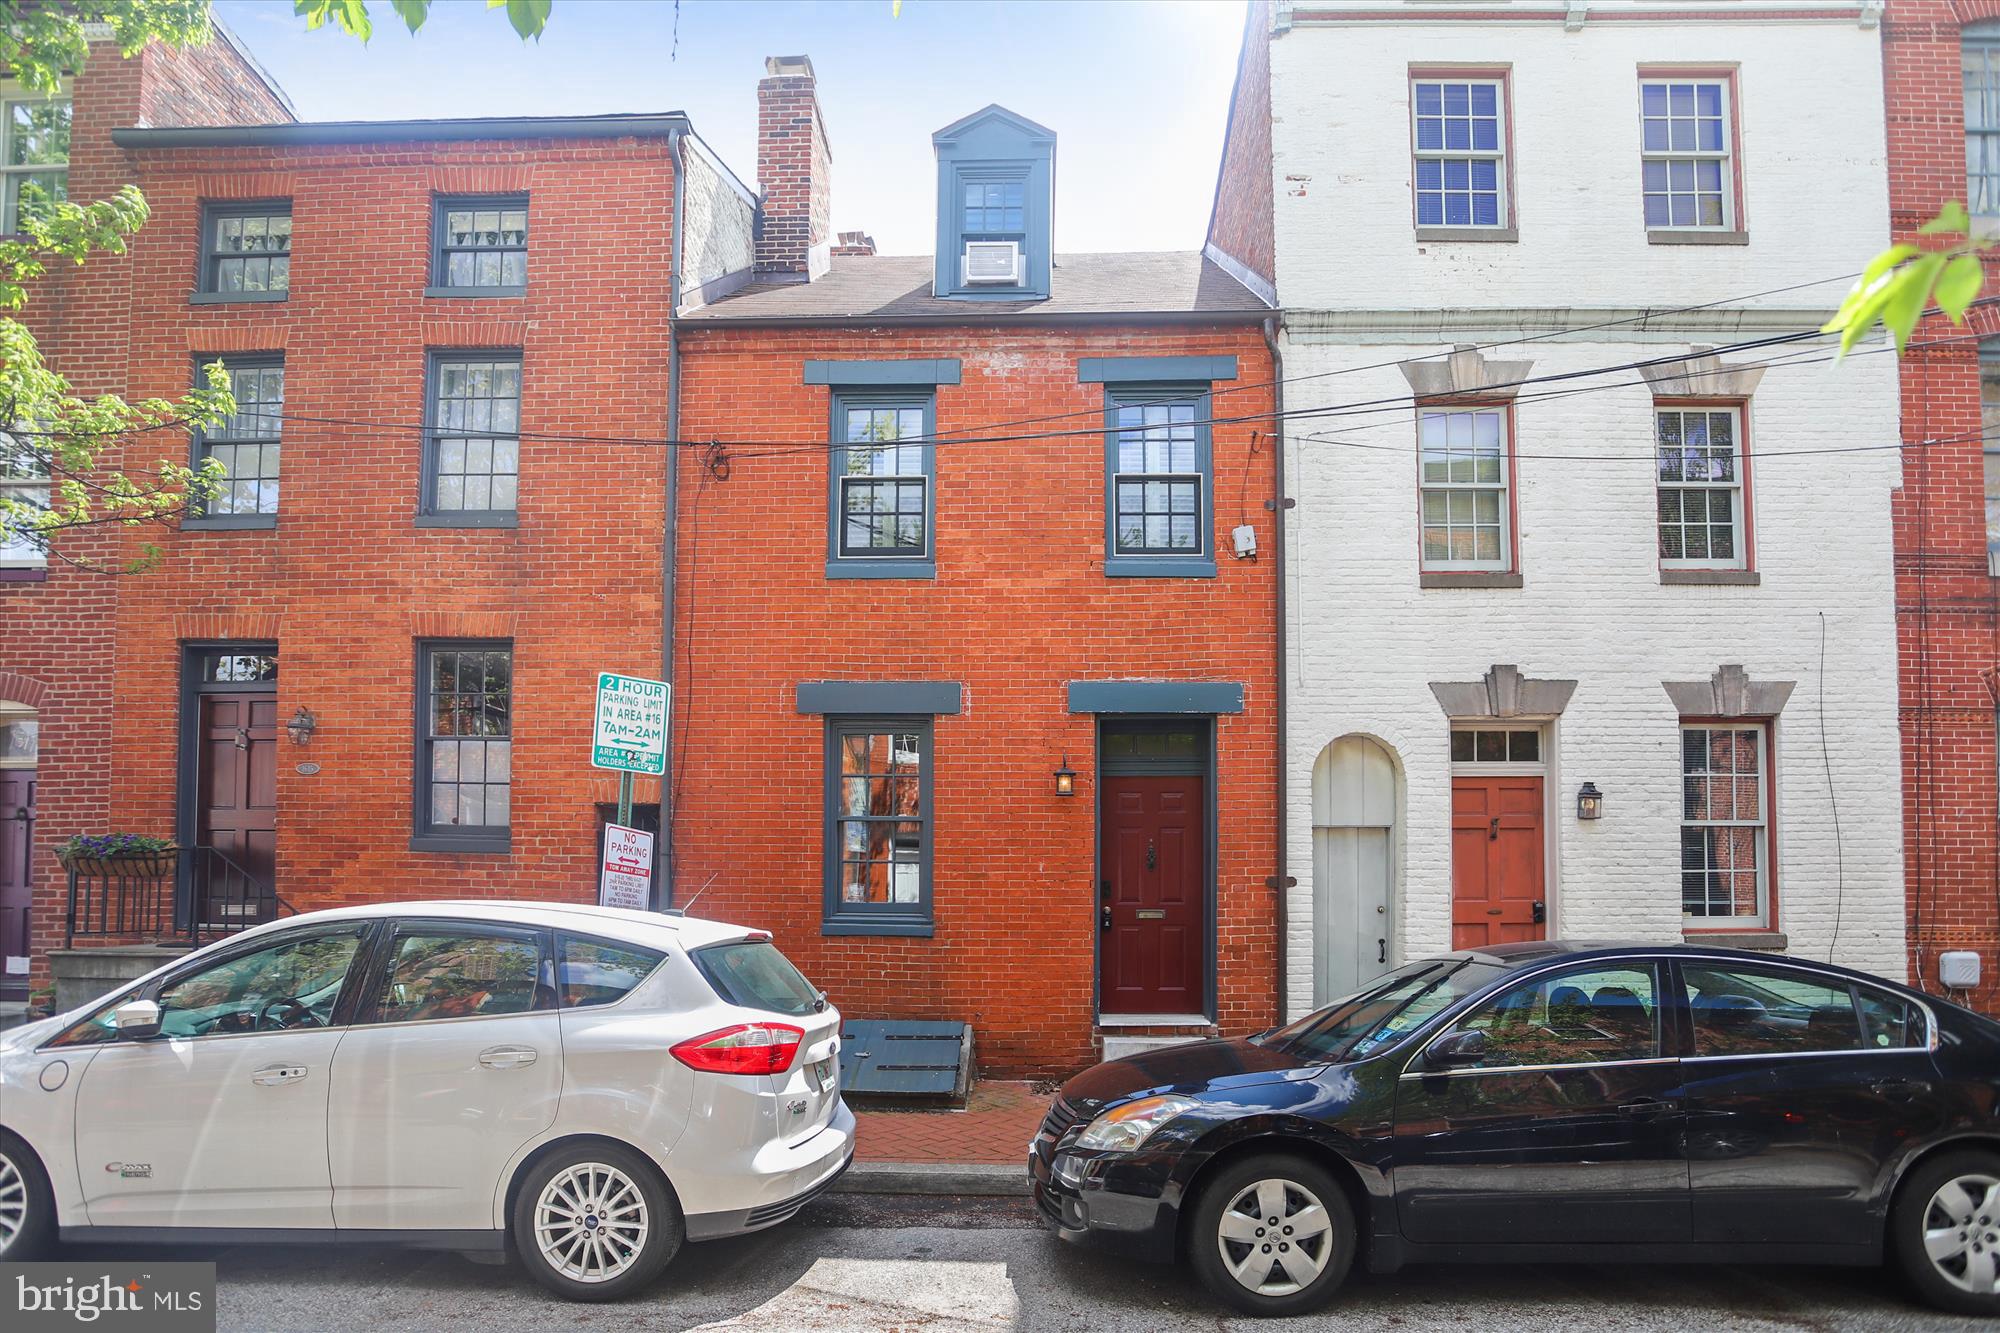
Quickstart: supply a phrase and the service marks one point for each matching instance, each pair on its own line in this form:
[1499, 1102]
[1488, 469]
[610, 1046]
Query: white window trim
[1737, 509]
[1766, 849]
[1724, 155]
[11, 92]
[1504, 487]
[1498, 156]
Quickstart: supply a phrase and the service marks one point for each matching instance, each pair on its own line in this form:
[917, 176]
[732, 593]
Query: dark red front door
[1497, 892]
[17, 828]
[1150, 920]
[237, 809]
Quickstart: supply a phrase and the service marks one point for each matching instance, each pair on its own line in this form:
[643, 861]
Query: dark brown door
[17, 831]
[1150, 926]
[237, 800]
[1497, 890]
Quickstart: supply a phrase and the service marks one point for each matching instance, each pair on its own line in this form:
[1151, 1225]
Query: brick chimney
[855, 243]
[794, 170]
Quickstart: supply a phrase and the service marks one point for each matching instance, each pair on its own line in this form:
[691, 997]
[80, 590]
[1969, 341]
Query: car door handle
[1898, 1089]
[272, 1075]
[1647, 1109]
[507, 1057]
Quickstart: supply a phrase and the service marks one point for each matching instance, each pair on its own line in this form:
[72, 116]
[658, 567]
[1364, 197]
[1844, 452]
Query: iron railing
[223, 898]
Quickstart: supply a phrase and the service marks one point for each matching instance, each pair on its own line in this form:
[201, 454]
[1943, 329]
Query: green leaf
[529, 17]
[1959, 285]
[1951, 219]
[412, 12]
[1910, 292]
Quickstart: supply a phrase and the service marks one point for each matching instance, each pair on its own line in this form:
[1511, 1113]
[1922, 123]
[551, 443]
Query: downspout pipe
[1279, 504]
[663, 846]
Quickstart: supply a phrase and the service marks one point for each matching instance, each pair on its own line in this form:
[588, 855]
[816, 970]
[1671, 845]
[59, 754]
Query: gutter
[670, 124]
[663, 846]
[962, 320]
[1280, 881]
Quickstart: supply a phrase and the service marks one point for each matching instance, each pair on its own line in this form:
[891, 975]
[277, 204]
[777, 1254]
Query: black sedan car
[1552, 1102]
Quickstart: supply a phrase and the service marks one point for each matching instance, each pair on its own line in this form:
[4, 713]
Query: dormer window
[995, 195]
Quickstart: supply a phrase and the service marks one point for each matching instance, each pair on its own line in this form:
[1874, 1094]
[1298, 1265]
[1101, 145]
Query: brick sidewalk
[995, 1126]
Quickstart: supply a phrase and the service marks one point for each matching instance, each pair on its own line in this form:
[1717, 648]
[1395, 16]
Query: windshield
[754, 974]
[1384, 1012]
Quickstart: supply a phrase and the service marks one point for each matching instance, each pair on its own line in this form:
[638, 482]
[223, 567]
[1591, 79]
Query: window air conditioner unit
[991, 263]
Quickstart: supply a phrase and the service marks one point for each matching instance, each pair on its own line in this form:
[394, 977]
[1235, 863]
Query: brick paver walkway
[995, 1126]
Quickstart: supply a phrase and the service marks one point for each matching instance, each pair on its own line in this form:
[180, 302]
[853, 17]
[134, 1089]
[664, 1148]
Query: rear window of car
[595, 972]
[754, 974]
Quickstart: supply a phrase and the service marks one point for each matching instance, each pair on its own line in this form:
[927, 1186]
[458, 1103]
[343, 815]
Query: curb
[933, 1178]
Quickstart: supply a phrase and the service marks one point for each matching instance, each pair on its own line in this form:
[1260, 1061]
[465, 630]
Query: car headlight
[1125, 1128]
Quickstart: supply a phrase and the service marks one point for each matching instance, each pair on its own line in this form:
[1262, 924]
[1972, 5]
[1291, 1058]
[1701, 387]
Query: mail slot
[1151, 914]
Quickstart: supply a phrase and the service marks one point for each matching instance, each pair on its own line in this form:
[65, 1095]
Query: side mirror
[136, 1020]
[1456, 1050]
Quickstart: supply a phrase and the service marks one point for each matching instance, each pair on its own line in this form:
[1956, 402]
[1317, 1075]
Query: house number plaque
[308, 768]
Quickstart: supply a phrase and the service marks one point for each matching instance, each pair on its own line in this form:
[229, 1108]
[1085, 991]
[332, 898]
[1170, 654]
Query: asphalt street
[894, 1265]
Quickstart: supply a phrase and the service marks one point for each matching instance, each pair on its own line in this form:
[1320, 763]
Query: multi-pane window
[1496, 745]
[24, 485]
[247, 443]
[1980, 59]
[466, 753]
[1461, 144]
[1684, 146]
[1160, 474]
[1463, 465]
[1989, 423]
[995, 208]
[878, 820]
[882, 480]
[1700, 487]
[34, 154]
[482, 244]
[475, 426]
[247, 249]
[1724, 825]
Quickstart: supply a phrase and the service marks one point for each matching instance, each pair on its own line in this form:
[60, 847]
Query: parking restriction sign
[631, 734]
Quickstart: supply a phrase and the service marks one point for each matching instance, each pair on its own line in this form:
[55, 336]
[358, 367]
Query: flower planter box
[127, 865]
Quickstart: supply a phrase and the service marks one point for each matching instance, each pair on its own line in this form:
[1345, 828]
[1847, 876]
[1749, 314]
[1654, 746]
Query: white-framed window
[34, 152]
[1725, 824]
[1700, 479]
[1685, 139]
[1979, 58]
[1463, 466]
[24, 478]
[1460, 132]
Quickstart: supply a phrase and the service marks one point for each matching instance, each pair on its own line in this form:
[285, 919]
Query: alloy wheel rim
[591, 1221]
[1275, 1237]
[1962, 1232]
[13, 1202]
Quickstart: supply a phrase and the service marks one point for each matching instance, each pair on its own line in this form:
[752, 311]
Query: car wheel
[1272, 1235]
[1945, 1232]
[27, 1208]
[594, 1222]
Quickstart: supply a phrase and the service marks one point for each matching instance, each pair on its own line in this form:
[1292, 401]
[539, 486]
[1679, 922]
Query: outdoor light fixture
[300, 728]
[1589, 802]
[1065, 779]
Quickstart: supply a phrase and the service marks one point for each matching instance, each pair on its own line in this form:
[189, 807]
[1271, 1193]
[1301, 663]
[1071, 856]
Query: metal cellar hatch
[896, 1059]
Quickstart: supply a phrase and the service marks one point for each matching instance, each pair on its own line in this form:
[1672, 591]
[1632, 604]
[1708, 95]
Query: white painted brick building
[1478, 174]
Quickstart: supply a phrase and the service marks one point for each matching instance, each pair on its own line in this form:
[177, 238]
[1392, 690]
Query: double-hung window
[246, 251]
[1461, 152]
[1700, 487]
[1464, 465]
[1725, 824]
[472, 460]
[1161, 480]
[480, 247]
[1979, 54]
[34, 154]
[1989, 417]
[1685, 143]
[247, 445]
[878, 825]
[883, 525]
[24, 486]
[465, 745]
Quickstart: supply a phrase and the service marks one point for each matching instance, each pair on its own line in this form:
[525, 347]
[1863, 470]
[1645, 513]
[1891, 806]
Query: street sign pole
[625, 799]
[631, 737]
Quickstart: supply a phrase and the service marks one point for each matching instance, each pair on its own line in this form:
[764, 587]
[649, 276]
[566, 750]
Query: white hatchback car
[595, 1085]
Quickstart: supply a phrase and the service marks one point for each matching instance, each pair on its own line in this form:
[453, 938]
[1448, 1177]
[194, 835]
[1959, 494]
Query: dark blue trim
[428, 515]
[476, 293]
[228, 522]
[1147, 567]
[851, 926]
[994, 145]
[881, 569]
[881, 697]
[1155, 696]
[838, 917]
[470, 518]
[424, 835]
[1157, 564]
[942, 370]
[440, 204]
[890, 564]
[1152, 369]
[236, 298]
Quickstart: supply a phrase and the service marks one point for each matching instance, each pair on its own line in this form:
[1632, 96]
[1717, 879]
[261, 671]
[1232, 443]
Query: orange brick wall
[1240, 224]
[1020, 606]
[1948, 606]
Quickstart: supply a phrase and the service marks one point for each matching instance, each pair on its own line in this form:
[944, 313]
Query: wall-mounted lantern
[1589, 802]
[1065, 779]
[302, 725]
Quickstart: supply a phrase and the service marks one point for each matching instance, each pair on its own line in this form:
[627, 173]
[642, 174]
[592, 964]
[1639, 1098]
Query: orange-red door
[1497, 882]
[1150, 926]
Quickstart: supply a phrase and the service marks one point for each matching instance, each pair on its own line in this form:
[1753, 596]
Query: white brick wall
[1366, 640]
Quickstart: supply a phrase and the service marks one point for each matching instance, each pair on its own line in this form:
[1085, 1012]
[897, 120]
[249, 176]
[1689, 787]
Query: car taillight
[747, 1048]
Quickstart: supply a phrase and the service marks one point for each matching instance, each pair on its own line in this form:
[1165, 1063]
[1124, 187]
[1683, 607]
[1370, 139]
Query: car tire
[27, 1205]
[1303, 1256]
[1955, 1272]
[595, 1222]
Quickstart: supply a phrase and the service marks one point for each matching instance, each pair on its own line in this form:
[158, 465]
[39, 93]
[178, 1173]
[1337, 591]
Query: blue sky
[1136, 90]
